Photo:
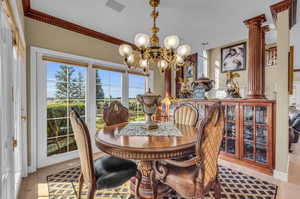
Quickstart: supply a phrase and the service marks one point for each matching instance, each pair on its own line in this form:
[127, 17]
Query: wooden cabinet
[256, 129]
[231, 139]
[249, 136]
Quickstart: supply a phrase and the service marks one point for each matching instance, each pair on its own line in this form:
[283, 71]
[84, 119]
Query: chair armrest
[185, 163]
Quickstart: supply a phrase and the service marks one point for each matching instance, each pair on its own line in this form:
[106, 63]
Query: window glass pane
[108, 88]
[57, 90]
[66, 89]
[77, 90]
[136, 81]
[77, 74]
[54, 71]
[56, 109]
[136, 87]
[102, 77]
[57, 145]
[57, 127]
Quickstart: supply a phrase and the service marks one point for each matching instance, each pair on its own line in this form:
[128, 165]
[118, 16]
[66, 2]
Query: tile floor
[35, 185]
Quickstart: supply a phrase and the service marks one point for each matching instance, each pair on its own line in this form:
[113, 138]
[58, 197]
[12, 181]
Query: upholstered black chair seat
[112, 172]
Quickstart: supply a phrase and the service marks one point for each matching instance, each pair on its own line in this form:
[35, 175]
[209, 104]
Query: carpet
[234, 185]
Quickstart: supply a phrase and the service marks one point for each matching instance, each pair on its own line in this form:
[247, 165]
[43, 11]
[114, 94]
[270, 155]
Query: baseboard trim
[280, 175]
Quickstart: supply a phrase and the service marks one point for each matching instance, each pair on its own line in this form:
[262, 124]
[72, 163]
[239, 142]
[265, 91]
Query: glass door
[66, 87]
[255, 134]
[230, 140]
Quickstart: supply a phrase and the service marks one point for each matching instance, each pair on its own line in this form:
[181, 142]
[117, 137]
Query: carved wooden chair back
[186, 114]
[208, 143]
[115, 113]
[83, 142]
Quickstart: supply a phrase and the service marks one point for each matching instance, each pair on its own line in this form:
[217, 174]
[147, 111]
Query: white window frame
[37, 101]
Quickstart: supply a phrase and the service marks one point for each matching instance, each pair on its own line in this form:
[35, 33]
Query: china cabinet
[249, 136]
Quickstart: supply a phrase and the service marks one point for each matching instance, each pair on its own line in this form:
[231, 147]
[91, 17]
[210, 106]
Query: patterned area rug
[234, 185]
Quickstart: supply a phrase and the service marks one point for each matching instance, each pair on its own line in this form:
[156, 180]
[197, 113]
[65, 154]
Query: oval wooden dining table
[146, 149]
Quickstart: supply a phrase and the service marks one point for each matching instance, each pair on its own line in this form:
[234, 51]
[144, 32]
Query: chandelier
[151, 53]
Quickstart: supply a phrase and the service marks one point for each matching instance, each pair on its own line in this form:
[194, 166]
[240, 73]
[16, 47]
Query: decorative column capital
[281, 6]
[290, 5]
[258, 20]
[256, 46]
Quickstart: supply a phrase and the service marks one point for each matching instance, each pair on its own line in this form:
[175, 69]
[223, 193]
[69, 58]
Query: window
[66, 88]
[108, 88]
[137, 85]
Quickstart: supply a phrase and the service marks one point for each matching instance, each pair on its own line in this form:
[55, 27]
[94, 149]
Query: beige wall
[297, 76]
[281, 87]
[43, 35]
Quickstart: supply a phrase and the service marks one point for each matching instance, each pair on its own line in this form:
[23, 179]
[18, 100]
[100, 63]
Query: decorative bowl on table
[150, 102]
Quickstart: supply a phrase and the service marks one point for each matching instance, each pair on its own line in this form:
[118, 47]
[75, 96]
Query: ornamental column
[264, 30]
[256, 80]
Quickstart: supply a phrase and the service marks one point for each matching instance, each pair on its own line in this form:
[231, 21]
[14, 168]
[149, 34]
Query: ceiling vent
[115, 5]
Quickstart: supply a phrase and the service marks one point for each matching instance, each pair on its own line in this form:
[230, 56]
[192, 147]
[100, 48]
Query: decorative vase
[201, 86]
[150, 102]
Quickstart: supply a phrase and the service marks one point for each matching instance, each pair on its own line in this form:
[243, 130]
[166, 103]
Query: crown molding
[256, 20]
[290, 5]
[43, 17]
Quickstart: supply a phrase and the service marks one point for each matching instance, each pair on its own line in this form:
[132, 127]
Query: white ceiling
[217, 22]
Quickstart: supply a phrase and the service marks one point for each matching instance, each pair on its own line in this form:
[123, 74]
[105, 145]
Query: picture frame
[291, 71]
[234, 57]
[190, 70]
[184, 72]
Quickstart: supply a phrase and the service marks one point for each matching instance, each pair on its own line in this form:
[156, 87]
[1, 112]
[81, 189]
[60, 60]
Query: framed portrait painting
[187, 73]
[233, 58]
[190, 71]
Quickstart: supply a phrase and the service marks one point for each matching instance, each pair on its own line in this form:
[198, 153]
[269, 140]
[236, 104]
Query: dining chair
[186, 114]
[195, 177]
[105, 172]
[115, 113]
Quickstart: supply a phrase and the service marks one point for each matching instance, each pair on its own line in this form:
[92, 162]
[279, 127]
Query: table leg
[145, 190]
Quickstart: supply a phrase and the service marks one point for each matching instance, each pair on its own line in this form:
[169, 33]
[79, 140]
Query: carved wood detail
[256, 64]
[43, 17]
[282, 6]
[136, 155]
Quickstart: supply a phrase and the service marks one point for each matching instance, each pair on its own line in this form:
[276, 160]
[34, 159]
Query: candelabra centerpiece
[150, 51]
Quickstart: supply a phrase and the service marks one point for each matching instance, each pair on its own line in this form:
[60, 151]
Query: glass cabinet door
[230, 136]
[255, 133]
